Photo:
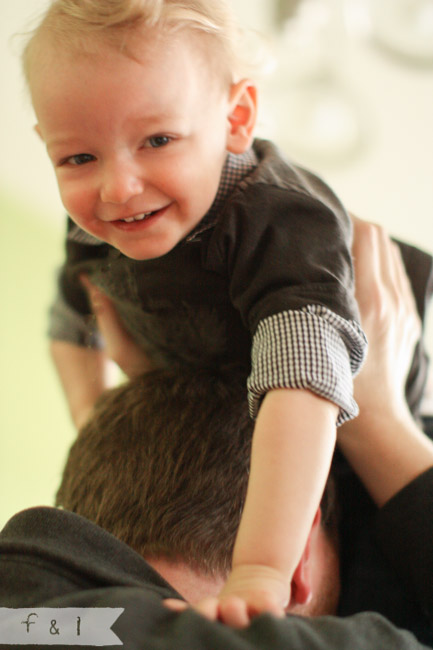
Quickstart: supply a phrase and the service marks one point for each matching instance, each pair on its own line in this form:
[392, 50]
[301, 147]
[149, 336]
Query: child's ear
[242, 116]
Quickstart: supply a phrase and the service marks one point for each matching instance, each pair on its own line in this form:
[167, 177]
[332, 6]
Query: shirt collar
[236, 167]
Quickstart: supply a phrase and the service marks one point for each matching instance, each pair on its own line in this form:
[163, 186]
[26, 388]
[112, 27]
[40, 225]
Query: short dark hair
[163, 465]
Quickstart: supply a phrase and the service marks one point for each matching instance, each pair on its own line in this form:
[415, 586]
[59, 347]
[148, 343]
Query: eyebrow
[141, 122]
[67, 143]
[157, 117]
[148, 122]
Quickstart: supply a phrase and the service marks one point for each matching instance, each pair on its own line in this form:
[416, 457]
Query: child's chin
[140, 254]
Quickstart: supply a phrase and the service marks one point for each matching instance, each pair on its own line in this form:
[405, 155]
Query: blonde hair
[74, 24]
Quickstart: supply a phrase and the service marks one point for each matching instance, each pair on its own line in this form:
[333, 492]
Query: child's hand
[249, 591]
[119, 345]
[252, 590]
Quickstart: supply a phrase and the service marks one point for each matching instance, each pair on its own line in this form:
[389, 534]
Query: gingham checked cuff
[311, 348]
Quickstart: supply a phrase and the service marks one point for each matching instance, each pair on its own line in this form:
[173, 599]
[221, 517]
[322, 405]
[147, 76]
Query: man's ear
[242, 116]
[302, 581]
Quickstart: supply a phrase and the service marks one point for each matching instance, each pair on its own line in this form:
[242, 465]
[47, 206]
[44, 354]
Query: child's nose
[120, 183]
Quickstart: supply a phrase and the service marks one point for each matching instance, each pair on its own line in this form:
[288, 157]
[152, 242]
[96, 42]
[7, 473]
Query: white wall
[389, 181]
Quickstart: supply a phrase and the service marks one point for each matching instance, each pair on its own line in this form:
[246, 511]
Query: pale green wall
[35, 431]
[35, 428]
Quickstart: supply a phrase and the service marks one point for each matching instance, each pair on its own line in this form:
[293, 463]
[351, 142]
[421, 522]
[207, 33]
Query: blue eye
[80, 159]
[157, 141]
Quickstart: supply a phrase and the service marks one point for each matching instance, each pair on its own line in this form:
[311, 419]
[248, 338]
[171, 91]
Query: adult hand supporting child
[120, 347]
[384, 444]
[388, 314]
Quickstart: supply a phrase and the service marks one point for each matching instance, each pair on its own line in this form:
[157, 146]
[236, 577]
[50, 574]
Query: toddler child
[211, 246]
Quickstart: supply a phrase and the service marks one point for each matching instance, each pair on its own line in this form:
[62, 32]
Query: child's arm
[292, 449]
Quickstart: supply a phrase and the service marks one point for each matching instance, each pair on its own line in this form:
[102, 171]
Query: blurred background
[349, 93]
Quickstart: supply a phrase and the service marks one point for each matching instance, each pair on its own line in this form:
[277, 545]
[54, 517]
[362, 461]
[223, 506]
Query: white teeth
[139, 217]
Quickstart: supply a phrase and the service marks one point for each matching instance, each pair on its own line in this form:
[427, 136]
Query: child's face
[130, 137]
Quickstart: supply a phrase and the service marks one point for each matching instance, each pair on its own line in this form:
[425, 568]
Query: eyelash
[155, 138]
[80, 159]
[73, 160]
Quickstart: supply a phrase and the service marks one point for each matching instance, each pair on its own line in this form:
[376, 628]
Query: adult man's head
[163, 465]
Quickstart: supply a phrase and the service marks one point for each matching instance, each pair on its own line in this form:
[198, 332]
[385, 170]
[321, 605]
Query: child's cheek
[76, 201]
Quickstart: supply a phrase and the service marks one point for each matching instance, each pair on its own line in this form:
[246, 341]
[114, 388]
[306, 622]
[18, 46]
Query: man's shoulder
[47, 552]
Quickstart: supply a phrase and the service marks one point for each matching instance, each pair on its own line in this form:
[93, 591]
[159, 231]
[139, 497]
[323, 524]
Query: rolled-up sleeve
[290, 274]
[311, 348]
[67, 324]
[70, 317]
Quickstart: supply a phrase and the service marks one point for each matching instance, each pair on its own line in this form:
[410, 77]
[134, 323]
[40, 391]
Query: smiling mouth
[139, 217]
[130, 224]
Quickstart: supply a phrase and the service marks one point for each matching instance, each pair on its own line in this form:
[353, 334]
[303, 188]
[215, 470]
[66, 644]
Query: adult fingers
[404, 287]
[368, 267]
[120, 346]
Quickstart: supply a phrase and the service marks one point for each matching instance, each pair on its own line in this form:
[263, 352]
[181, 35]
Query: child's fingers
[233, 611]
[236, 611]
[175, 604]
[209, 608]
